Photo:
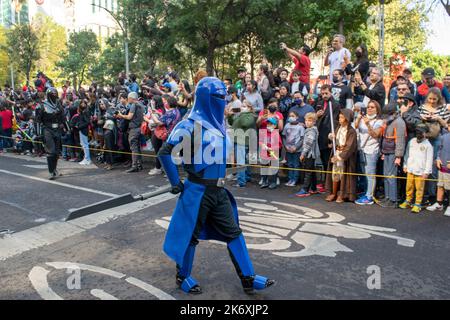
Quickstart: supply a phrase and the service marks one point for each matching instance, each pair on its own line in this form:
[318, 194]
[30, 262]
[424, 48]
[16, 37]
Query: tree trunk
[341, 26]
[210, 59]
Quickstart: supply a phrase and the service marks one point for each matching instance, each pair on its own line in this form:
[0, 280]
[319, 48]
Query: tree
[445, 4]
[82, 55]
[4, 60]
[111, 61]
[404, 29]
[53, 44]
[23, 48]
[427, 59]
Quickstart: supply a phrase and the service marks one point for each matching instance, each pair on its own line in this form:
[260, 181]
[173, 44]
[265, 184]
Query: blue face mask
[292, 120]
[298, 101]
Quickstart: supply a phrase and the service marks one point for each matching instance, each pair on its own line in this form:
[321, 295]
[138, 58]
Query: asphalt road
[313, 249]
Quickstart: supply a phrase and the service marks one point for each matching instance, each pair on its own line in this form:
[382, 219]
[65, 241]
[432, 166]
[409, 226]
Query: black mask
[358, 54]
[335, 80]
[272, 109]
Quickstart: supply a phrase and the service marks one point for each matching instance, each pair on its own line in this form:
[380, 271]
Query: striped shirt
[442, 112]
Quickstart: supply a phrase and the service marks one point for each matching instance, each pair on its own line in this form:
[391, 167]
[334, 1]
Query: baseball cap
[272, 121]
[428, 73]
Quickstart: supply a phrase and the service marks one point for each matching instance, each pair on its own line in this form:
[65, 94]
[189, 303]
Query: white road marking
[102, 295]
[40, 166]
[40, 284]
[56, 231]
[59, 183]
[318, 233]
[39, 279]
[70, 265]
[161, 295]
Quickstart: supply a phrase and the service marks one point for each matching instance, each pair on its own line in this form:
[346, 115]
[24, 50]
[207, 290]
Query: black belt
[219, 183]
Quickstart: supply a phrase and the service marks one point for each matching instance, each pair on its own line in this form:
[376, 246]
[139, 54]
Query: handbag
[161, 132]
[145, 130]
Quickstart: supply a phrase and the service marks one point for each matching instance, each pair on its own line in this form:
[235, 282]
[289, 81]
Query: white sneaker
[85, 163]
[261, 181]
[447, 212]
[155, 172]
[435, 207]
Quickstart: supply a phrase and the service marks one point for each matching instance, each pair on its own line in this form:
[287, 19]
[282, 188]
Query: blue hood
[209, 105]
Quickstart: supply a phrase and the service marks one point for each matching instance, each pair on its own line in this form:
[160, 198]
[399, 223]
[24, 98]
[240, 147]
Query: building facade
[13, 12]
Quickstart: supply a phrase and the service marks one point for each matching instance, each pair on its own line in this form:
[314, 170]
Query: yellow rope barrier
[246, 165]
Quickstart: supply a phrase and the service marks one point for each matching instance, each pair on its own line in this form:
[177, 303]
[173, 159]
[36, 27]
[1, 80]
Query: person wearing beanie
[418, 165]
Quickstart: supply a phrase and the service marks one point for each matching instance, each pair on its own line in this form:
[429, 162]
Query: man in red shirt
[6, 116]
[302, 62]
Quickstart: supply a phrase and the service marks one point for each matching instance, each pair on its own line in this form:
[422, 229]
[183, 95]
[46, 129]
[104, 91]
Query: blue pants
[244, 175]
[6, 142]
[293, 162]
[431, 186]
[84, 141]
[390, 185]
[370, 168]
[67, 152]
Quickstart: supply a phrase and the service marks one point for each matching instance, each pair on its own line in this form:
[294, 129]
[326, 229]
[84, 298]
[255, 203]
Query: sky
[439, 26]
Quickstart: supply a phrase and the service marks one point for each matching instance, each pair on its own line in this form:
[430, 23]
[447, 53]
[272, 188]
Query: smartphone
[363, 112]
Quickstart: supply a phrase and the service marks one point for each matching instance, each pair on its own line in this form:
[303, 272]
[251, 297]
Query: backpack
[267, 95]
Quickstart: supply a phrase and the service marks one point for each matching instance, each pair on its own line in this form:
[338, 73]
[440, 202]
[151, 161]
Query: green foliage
[111, 61]
[207, 31]
[4, 60]
[23, 48]
[404, 29]
[52, 44]
[425, 59]
[82, 55]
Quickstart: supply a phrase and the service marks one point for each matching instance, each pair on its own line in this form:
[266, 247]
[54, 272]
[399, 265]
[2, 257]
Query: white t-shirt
[366, 143]
[336, 59]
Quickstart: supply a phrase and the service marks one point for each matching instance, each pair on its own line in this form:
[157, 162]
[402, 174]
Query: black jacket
[324, 123]
[83, 122]
[378, 93]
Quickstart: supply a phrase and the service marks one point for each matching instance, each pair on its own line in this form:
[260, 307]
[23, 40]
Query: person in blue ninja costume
[205, 209]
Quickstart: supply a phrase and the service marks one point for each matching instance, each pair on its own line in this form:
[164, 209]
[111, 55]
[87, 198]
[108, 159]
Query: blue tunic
[185, 216]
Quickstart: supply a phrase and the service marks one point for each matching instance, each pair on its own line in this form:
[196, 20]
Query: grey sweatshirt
[311, 144]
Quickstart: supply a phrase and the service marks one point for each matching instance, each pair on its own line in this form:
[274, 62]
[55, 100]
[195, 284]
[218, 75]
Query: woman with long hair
[369, 128]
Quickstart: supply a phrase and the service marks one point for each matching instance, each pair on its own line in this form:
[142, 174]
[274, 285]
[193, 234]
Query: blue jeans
[431, 186]
[390, 185]
[7, 143]
[84, 141]
[244, 175]
[293, 162]
[370, 168]
[1, 140]
[67, 152]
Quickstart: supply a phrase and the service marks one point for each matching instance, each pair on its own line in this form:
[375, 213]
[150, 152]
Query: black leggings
[109, 145]
[157, 144]
[310, 177]
[216, 211]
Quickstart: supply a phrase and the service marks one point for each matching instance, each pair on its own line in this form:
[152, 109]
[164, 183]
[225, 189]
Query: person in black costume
[51, 124]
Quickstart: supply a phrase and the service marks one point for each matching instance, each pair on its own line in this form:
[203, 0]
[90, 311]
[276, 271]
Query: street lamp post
[381, 39]
[123, 27]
